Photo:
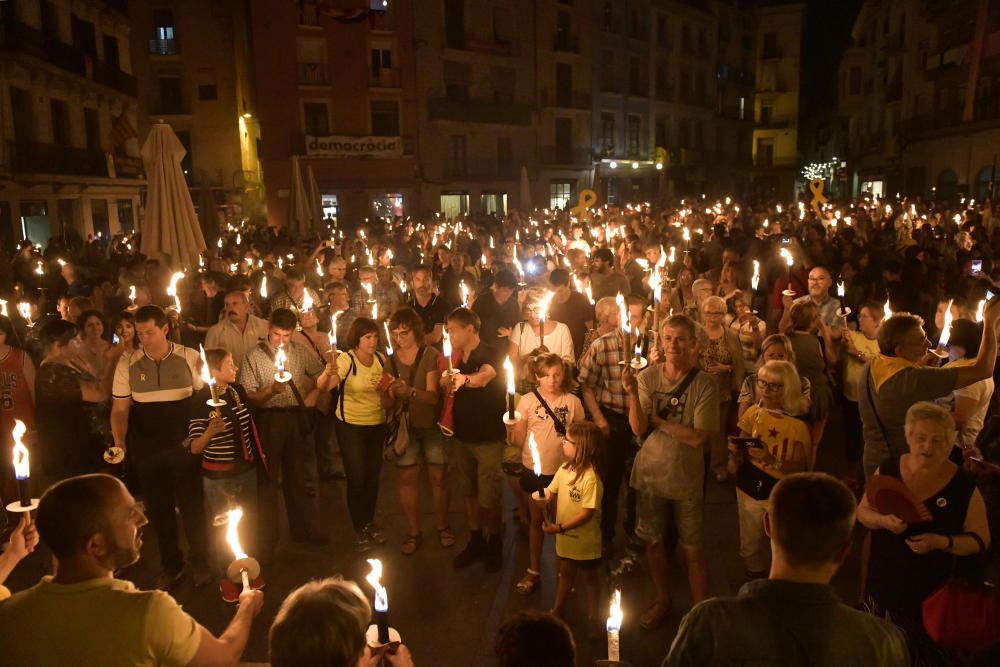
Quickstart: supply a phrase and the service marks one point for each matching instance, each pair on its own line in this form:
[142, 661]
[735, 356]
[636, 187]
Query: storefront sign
[354, 146]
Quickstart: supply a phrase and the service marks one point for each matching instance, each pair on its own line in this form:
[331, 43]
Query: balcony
[490, 47]
[164, 47]
[565, 43]
[985, 113]
[381, 21]
[569, 100]
[17, 37]
[386, 78]
[567, 156]
[476, 111]
[32, 157]
[313, 74]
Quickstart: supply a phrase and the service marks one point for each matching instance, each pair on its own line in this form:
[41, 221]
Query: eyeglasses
[769, 386]
[399, 333]
[715, 312]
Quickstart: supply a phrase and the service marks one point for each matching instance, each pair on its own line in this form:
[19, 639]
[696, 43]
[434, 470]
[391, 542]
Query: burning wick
[131, 295]
[945, 331]
[22, 468]
[614, 626]
[263, 287]
[381, 600]
[206, 375]
[446, 349]
[536, 463]
[280, 374]
[388, 338]
[333, 331]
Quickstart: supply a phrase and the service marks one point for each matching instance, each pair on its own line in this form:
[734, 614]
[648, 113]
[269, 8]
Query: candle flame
[333, 328]
[980, 310]
[536, 461]
[886, 311]
[20, 457]
[446, 346]
[840, 289]
[509, 370]
[319, 268]
[543, 307]
[622, 311]
[787, 254]
[375, 579]
[23, 309]
[3, 308]
[174, 279]
[615, 615]
[206, 375]
[307, 301]
[233, 517]
[388, 338]
[279, 359]
[131, 293]
[465, 294]
[756, 275]
[263, 287]
[946, 329]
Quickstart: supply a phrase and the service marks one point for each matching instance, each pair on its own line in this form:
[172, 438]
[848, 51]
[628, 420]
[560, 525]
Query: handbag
[963, 615]
[397, 425]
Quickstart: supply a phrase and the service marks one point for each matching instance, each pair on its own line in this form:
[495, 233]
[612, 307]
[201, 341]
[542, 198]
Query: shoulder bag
[397, 425]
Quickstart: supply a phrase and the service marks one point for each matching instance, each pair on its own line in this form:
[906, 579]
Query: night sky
[827, 32]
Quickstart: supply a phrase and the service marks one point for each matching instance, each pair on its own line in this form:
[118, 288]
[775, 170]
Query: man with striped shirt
[150, 412]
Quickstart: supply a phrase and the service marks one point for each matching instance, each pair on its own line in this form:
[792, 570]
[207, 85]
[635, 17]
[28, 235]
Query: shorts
[531, 482]
[655, 515]
[591, 564]
[479, 466]
[512, 460]
[427, 444]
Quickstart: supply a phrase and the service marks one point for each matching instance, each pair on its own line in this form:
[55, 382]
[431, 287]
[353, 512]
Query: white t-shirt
[559, 341]
[980, 392]
[568, 408]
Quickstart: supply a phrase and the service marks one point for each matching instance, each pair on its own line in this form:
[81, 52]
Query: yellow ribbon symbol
[816, 187]
[587, 199]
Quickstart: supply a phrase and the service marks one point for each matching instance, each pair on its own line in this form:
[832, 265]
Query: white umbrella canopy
[525, 194]
[301, 209]
[170, 228]
[315, 201]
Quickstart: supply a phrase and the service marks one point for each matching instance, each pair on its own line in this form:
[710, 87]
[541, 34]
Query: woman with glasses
[815, 358]
[775, 347]
[772, 444]
[720, 355]
[417, 368]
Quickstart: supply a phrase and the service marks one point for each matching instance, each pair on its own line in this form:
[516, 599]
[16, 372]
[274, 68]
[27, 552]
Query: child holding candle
[546, 413]
[577, 491]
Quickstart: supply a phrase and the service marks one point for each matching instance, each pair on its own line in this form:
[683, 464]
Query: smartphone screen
[115, 339]
[977, 266]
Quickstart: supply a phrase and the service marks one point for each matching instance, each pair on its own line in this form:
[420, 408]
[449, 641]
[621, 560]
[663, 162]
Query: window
[608, 78]
[504, 84]
[505, 157]
[385, 118]
[493, 203]
[564, 139]
[316, 119]
[699, 134]
[23, 106]
[564, 84]
[163, 42]
[634, 123]
[126, 216]
[634, 76]
[92, 126]
[311, 55]
[741, 107]
[50, 19]
[661, 132]
[766, 114]
[684, 133]
[765, 151]
[770, 46]
[185, 138]
[382, 72]
[503, 25]
[560, 193]
[84, 36]
[62, 133]
[662, 31]
[456, 80]
[457, 160]
[454, 204]
[608, 131]
[454, 24]
[171, 97]
[111, 56]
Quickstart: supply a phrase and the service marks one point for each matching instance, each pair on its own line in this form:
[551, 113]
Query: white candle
[614, 626]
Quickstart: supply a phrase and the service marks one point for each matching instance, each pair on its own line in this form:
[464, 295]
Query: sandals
[529, 582]
[411, 544]
[446, 537]
[654, 615]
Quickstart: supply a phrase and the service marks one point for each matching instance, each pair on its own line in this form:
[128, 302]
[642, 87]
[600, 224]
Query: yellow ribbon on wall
[816, 187]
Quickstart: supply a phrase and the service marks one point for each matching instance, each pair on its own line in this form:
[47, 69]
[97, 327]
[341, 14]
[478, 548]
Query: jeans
[283, 443]
[361, 449]
[621, 448]
[318, 460]
[171, 479]
[224, 494]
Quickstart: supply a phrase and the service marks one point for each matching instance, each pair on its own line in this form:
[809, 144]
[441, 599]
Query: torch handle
[246, 578]
[382, 621]
[24, 491]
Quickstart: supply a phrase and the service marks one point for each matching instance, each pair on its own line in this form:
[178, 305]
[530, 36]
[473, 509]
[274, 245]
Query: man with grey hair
[896, 379]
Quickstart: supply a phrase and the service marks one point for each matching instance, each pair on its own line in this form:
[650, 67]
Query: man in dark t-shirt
[497, 308]
[479, 436]
[571, 308]
[432, 308]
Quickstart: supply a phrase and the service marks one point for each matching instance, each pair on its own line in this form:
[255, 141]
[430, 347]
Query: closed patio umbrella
[300, 210]
[170, 228]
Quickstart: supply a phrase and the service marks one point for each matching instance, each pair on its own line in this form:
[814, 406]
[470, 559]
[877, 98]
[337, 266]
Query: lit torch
[536, 462]
[206, 375]
[614, 626]
[243, 568]
[513, 416]
[280, 358]
[22, 470]
[381, 600]
[172, 290]
[945, 332]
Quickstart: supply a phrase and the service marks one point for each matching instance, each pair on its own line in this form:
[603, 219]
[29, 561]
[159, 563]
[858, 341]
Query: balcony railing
[566, 155]
[313, 74]
[32, 157]
[475, 111]
[986, 109]
[112, 77]
[386, 78]
[164, 47]
[565, 43]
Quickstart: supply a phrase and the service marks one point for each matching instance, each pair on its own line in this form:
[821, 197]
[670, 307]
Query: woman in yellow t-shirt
[359, 419]
[577, 490]
[779, 447]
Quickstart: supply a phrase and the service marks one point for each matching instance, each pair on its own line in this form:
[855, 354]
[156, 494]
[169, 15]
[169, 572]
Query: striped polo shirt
[233, 450]
[161, 397]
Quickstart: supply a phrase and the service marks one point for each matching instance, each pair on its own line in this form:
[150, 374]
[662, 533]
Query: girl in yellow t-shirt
[577, 490]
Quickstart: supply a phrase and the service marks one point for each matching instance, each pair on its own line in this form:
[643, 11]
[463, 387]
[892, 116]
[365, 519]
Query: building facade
[776, 100]
[920, 94]
[192, 61]
[69, 156]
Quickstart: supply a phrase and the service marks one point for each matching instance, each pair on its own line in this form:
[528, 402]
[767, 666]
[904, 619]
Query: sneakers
[472, 552]
[374, 534]
[493, 555]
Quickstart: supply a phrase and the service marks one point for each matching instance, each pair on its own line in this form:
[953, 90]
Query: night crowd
[828, 366]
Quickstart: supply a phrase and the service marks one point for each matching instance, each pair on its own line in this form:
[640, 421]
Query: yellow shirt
[361, 404]
[582, 542]
[779, 432]
[104, 622]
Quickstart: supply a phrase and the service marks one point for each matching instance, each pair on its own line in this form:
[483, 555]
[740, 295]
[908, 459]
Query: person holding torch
[546, 412]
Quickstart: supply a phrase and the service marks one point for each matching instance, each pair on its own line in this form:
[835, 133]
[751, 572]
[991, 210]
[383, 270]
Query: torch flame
[21, 467]
[787, 254]
[174, 279]
[508, 369]
[980, 310]
[886, 311]
[233, 517]
[946, 329]
[536, 462]
[279, 359]
[615, 616]
[375, 579]
[756, 275]
[307, 301]
[263, 287]
[840, 289]
[623, 311]
[205, 374]
[23, 309]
